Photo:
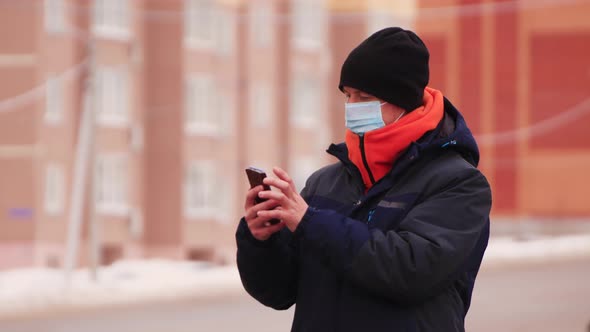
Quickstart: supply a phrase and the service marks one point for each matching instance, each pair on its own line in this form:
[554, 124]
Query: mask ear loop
[399, 117]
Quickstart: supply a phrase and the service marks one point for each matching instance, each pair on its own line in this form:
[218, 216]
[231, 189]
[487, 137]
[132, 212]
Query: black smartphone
[255, 177]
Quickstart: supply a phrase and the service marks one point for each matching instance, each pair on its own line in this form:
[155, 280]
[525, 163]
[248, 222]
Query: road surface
[540, 297]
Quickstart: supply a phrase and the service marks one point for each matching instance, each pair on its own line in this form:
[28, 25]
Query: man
[391, 237]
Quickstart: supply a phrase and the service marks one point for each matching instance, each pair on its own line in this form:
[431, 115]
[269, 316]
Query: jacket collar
[451, 133]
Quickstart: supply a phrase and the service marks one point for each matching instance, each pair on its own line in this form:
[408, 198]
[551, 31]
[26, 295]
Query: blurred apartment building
[187, 93]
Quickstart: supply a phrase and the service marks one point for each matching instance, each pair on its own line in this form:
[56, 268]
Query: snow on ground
[33, 291]
[38, 290]
[507, 249]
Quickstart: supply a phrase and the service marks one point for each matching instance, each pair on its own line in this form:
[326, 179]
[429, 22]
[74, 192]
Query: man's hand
[259, 224]
[291, 206]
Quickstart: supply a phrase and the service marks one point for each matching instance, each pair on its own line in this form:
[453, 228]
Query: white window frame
[200, 17]
[201, 190]
[202, 115]
[309, 24]
[54, 193]
[54, 15]
[112, 96]
[112, 184]
[54, 100]
[305, 101]
[261, 104]
[261, 27]
[112, 19]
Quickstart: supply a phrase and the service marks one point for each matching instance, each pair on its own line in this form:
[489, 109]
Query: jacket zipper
[365, 162]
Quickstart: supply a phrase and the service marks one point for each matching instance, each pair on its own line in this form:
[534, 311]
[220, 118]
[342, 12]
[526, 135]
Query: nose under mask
[363, 117]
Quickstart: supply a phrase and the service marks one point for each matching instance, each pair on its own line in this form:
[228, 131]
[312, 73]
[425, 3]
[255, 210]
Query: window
[227, 113]
[305, 101]
[207, 194]
[261, 100]
[308, 24]
[207, 26]
[54, 189]
[200, 188]
[53, 100]
[55, 19]
[559, 117]
[112, 96]
[261, 24]
[401, 13]
[111, 18]
[199, 23]
[301, 168]
[201, 112]
[111, 184]
[378, 20]
[226, 33]
[225, 200]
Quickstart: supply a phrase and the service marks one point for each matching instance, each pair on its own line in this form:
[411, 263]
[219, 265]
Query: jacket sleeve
[268, 269]
[418, 258]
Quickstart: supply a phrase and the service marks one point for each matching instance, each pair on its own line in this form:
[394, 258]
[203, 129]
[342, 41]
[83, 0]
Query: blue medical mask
[363, 117]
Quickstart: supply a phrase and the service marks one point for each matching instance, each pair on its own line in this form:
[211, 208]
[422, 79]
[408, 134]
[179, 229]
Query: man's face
[389, 112]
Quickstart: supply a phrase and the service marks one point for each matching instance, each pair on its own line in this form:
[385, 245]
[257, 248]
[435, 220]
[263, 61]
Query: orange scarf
[384, 145]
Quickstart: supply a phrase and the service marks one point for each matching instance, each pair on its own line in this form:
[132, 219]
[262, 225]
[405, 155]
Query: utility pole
[94, 229]
[84, 161]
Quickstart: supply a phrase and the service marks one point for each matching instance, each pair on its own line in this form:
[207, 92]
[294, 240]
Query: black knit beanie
[392, 65]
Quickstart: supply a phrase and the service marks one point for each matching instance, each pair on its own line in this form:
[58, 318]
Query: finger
[276, 227]
[266, 231]
[252, 211]
[273, 195]
[251, 214]
[257, 221]
[274, 214]
[283, 186]
[251, 197]
[283, 175]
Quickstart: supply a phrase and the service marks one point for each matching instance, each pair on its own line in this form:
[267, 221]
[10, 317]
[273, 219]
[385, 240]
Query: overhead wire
[544, 126]
[426, 12]
[561, 119]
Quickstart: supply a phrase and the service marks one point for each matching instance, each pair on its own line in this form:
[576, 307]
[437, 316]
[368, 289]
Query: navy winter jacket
[401, 257]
